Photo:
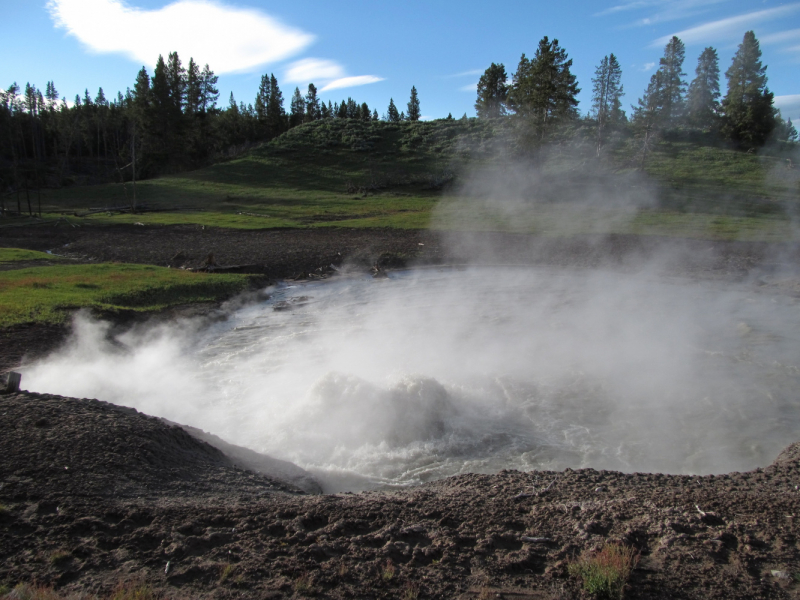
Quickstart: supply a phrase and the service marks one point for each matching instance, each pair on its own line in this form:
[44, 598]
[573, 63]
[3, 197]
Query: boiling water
[375, 383]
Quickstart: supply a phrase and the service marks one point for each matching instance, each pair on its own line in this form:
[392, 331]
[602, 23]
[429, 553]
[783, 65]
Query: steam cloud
[433, 372]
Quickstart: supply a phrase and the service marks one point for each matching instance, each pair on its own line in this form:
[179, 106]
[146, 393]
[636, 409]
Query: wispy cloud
[227, 38]
[665, 10]
[472, 87]
[728, 29]
[310, 70]
[789, 105]
[466, 73]
[780, 37]
[647, 66]
[347, 82]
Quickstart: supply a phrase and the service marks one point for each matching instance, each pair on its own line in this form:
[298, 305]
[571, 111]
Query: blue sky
[373, 51]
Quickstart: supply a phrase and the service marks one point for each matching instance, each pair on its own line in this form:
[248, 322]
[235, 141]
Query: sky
[374, 51]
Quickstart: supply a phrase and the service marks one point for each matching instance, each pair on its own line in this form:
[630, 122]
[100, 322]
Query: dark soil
[95, 495]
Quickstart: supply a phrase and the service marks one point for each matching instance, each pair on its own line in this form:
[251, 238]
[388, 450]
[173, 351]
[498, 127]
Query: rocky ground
[96, 498]
[94, 495]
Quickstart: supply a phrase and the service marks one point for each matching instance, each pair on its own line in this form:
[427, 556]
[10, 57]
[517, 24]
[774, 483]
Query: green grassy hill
[350, 173]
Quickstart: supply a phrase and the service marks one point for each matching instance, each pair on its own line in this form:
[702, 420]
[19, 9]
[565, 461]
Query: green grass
[316, 175]
[605, 573]
[8, 255]
[49, 294]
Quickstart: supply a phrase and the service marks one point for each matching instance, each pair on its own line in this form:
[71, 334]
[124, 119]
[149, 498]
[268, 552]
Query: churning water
[373, 383]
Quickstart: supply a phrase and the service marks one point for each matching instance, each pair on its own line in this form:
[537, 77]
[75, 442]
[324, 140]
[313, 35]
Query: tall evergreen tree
[209, 94]
[702, 100]
[673, 85]
[544, 90]
[413, 106]
[492, 92]
[262, 101]
[365, 114]
[297, 112]
[176, 82]
[391, 113]
[276, 114]
[194, 91]
[663, 102]
[749, 114]
[606, 94]
[312, 104]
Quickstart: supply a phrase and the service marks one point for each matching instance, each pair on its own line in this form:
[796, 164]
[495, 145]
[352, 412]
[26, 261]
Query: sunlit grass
[49, 294]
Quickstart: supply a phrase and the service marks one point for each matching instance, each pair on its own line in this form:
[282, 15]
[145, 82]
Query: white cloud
[668, 10]
[467, 73]
[731, 28]
[346, 82]
[781, 36]
[310, 70]
[472, 87]
[789, 105]
[647, 66]
[227, 38]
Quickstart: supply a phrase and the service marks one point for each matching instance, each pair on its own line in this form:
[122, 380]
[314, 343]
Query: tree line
[166, 122]
[543, 93]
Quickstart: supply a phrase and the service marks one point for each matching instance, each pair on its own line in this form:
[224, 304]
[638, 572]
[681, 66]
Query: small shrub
[225, 572]
[132, 591]
[303, 585]
[411, 591]
[605, 573]
[388, 572]
[59, 557]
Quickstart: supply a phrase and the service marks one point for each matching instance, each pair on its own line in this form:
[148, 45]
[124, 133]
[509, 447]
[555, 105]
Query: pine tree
[375, 116]
[193, 88]
[209, 94]
[262, 101]
[342, 112]
[413, 106]
[663, 103]
[492, 92]
[702, 100]
[672, 82]
[749, 115]
[607, 92]
[298, 109]
[544, 90]
[791, 132]
[312, 104]
[276, 115]
[391, 113]
[353, 109]
[176, 82]
[365, 115]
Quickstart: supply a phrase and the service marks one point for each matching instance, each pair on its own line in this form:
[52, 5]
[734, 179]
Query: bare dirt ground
[94, 495]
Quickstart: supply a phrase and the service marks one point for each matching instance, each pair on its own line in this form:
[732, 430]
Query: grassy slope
[48, 294]
[355, 174]
[302, 179]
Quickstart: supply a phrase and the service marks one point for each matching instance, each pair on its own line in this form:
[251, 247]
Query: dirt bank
[94, 495]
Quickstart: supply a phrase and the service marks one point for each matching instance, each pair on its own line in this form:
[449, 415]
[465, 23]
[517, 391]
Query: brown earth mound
[95, 496]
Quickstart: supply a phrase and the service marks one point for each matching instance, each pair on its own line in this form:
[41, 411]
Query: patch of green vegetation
[605, 573]
[48, 294]
[18, 254]
[359, 174]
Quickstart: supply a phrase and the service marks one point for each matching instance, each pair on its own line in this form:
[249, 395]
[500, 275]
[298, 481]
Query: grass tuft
[389, 571]
[605, 573]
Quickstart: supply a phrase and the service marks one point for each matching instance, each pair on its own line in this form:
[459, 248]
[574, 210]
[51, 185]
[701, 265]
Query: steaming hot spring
[376, 383]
